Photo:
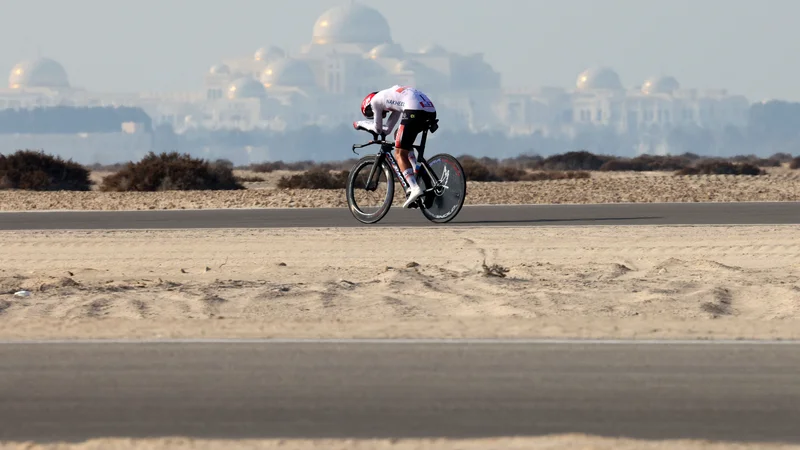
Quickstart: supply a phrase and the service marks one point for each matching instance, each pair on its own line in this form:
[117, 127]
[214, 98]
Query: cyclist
[415, 112]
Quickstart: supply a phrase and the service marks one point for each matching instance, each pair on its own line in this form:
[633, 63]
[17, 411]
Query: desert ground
[605, 281]
[551, 282]
[566, 442]
[780, 184]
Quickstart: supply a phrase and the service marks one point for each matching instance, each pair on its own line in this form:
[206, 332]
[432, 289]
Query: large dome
[289, 72]
[42, 72]
[353, 23]
[599, 78]
[660, 85]
[246, 88]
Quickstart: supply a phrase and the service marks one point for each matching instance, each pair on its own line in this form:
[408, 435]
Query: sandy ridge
[651, 282]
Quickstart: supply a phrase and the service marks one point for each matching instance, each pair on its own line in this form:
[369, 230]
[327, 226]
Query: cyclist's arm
[392, 122]
[373, 126]
[377, 108]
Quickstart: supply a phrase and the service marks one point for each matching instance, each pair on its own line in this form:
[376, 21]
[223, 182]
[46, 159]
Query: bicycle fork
[372, 182]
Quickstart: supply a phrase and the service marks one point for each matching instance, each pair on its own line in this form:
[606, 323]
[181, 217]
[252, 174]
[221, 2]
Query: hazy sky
[751, 47]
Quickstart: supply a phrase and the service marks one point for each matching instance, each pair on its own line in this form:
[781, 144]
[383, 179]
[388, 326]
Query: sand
[780, 184]
[600, 282]
[560, 442]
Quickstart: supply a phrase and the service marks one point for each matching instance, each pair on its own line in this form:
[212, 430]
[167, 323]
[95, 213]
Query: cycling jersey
[397, 99]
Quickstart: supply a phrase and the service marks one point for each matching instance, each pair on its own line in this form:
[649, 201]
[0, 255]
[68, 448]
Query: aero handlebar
[373, 142]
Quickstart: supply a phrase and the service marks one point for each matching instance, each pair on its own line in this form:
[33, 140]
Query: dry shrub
[582, 160]
[272, 166]
[795, 164]
[647, 163]
[524, 161]
[37, 171]
[300, 166]
[721, 167]
[171, 172]
[775, 160]
[316, 178]
[489, 170]
[476, 170]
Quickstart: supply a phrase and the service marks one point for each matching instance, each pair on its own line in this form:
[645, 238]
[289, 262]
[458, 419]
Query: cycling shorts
[412, 123]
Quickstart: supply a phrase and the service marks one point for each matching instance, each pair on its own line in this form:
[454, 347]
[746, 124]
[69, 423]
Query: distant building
[648, 111]
[351, 52]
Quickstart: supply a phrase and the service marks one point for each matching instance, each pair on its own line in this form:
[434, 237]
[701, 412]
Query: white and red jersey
[396, 100]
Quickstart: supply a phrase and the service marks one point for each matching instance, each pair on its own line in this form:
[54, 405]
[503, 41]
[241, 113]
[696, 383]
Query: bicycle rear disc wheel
[370, 206]
[444, 205]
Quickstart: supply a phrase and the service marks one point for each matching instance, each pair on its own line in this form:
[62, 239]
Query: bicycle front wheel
[370, 200]
[444, 204]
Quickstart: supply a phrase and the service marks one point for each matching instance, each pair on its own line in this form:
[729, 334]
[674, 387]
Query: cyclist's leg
[405, 137]
[404, 144]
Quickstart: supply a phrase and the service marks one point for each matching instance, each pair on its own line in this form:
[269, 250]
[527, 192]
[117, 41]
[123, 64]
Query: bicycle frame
[387, 152]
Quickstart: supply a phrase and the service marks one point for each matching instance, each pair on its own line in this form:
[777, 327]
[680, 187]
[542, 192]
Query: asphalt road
[534, 215]
[744, 392]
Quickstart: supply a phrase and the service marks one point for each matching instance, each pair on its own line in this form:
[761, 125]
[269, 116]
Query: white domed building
[39, 82]
[665, 85]
[387, 51]
[246, 88]
[599, 78]
[38, 73]
[269, 55]
[288, 73]
[352, 24]
[351, 52]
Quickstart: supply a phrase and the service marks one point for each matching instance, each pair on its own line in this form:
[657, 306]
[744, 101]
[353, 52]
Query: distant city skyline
[747, 47]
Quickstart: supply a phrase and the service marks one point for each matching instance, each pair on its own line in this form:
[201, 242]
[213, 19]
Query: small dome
[409, 65]
[434, 50]
[599, 78]
[246, 88]
[220, 69]
[660, 85]
[387, 51]
[269, 54]
[352, 23]
[289, 72]
[42, 72]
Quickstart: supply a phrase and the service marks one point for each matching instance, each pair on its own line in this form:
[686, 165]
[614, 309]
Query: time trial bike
[371, 183]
